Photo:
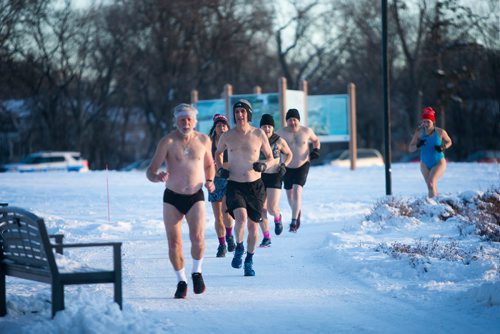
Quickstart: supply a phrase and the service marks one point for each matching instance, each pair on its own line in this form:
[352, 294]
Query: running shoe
[278, 227]
[266, 242]
[230, 243]
[221, 251]
[181, 291]
[248, 269]
[198, 284]
[238, 255]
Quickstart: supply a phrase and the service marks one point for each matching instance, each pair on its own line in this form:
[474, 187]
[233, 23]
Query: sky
[339, 273]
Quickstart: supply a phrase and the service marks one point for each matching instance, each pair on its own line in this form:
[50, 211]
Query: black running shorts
[273, 180]
[247, 195]
[296, 175]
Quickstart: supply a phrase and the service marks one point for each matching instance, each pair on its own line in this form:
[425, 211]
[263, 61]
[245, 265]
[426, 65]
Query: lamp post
[387, 118]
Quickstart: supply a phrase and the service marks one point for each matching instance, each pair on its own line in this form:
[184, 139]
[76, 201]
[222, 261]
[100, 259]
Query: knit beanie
[220, 118]
[267, 119]
[245, 105]
[292, 113]
[429, 114]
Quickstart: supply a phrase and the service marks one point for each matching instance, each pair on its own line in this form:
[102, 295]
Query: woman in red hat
[223, 221]
[432, 142]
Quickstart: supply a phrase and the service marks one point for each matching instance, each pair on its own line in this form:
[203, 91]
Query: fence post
[194, 96]
[282, 100]
[228, 92]
[304, 87]
[353, 149]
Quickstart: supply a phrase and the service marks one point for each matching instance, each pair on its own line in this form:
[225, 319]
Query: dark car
[486, 156]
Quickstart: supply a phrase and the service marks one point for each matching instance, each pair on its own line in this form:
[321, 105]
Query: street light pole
[387, 119]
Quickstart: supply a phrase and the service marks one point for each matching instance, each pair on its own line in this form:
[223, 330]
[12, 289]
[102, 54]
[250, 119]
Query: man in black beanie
[245, 193]
[298, 138]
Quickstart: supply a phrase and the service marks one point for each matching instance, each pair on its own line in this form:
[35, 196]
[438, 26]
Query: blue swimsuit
[428, 154]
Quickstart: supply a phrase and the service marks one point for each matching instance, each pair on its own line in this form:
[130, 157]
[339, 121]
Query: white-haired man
[189, 166]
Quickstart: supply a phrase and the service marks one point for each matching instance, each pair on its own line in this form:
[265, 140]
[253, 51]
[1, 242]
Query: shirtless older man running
[188, 157]
[297, 138]
[245, 192]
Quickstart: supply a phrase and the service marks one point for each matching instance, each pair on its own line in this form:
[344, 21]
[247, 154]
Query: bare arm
[285, 150]
[219, 152]
[445, 139]
[265, 147]
[209, 167]
[314, 139]
[158, 158]
[414, 140]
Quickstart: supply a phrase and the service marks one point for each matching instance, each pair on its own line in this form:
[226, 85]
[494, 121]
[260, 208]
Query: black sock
[249, 257]
[239, 245]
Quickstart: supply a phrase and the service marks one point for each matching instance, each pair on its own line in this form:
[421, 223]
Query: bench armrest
[89, 244]
[117, 254]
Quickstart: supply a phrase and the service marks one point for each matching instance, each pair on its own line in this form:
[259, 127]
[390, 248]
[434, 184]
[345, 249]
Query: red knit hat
[429, 114]
[220, 118]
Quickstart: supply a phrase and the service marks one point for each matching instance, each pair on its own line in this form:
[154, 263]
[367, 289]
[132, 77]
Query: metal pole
[387, 118]
[353, 146]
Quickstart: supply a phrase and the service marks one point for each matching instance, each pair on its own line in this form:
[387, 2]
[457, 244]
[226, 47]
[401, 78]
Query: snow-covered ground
[361, 262]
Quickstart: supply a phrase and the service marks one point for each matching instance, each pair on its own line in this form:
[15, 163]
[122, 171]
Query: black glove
[224, 173]
[440, 148]
[281, 169]
[259, 166]
[420, 143]
[314, 154]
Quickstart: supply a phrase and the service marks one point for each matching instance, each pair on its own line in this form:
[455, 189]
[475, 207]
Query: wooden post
[304, 87]
[228, 91]
[194, 96]
[257, 90]
[353, 150]
[282, 100]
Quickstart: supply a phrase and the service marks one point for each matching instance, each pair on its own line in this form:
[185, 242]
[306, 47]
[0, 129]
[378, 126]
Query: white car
[49, 161]
[366, 157]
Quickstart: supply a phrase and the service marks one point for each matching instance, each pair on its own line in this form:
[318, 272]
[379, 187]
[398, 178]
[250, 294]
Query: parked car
[365, 157]
[488, 156]
[49, 161]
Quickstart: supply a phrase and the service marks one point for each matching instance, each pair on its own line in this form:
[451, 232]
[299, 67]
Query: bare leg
[196, 222]
[291, 199]
[273, 197]
[253, 236]
[219, 222]
[264, 224]
[228, 220]
[240, 216]
[297, 194]
[173, 226]
[436, 172]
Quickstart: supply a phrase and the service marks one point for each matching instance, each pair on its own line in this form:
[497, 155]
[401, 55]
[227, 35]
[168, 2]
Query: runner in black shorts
[248, 195]
[182, 202]
[298, 138]
[245, 192]
[296, 176]
[273, 179]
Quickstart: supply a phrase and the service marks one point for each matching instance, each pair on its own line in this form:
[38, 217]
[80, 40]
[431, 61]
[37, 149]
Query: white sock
[197, 265]
[181, 275]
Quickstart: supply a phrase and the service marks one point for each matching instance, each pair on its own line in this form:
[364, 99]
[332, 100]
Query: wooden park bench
[26, 252]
